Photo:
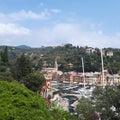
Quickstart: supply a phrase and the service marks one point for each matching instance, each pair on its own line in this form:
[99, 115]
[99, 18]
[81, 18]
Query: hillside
[18, 103]
[24, 47]
[69, 54]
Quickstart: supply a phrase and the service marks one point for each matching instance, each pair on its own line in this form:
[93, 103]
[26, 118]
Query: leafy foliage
[22, 67]
[85, 110]
[104, 104]
[68, 54]
[60, 114]
[34, 81]
[6, 76]
[108, 102]
[19, 103]
[4, 56]
[5, 73]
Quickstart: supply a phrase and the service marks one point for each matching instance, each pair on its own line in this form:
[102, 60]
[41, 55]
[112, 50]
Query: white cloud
[12, 29]
[23, 15]
[3, 17]
[75, 34]
[58, 34]
[55, 10]
[5, 42]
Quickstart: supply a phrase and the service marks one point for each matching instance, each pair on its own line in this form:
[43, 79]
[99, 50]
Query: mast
[83, 72]
[102, 68]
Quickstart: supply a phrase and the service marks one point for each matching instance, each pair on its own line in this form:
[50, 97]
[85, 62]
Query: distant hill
[68, 54]
[25, 47]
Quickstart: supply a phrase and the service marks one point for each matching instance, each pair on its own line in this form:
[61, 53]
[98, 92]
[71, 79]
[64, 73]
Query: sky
[36, 23]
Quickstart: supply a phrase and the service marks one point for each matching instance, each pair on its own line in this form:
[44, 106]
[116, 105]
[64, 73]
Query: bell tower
[56, 65]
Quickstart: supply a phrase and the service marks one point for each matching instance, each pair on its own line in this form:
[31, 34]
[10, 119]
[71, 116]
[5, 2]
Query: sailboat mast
[83, 71]
[102, 68]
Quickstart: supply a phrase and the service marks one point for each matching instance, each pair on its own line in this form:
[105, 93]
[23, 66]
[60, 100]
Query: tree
[5, 73]
[4, 60]
[39, 65]
[34, 81]
[104, 104]
[4, 56]
[60, 114]
[22, 67]
[107, 102]
[85, 110]
[6, 76]
[19, 103]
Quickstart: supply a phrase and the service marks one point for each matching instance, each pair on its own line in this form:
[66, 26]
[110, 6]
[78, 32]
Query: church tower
[56, 65]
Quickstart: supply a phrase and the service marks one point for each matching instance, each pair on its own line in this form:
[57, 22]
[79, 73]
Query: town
[69, 87]
[59, 60]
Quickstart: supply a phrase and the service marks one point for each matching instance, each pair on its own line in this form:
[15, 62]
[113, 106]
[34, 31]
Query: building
[70, 65]
[90, 50]
[109, 53]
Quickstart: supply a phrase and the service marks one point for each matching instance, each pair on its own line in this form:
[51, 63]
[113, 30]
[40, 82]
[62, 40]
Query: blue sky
[94, 23]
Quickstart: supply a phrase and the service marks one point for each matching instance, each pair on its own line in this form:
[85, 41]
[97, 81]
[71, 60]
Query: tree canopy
[34, 81]
[4, 56]
[22, 67]
[105, 103]
[68, 54]
[19, 103]
[108, 102]
[85, 110]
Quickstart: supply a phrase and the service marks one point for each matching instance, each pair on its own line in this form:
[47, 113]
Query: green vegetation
[22, 67]
[34, 81]
[4, 56]
[60, 114]
[19, 103]
[66, 54]
[105, 102]
[5, 73]
[85, 110]
[108, 102]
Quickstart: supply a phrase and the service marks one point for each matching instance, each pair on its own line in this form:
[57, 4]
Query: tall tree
[85, 110]
[4, 56]
[108, 102]
[104, 104]
[34, 81]
[22, 67]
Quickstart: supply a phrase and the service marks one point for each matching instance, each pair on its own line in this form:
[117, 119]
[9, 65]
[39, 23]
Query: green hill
[18, 103]
[68, 54]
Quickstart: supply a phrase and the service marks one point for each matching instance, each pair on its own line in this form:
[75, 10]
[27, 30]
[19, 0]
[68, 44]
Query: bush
[19, 103]
[34, 81]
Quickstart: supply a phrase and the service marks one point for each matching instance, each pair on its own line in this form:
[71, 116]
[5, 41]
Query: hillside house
[90, 50]
[109, 53]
